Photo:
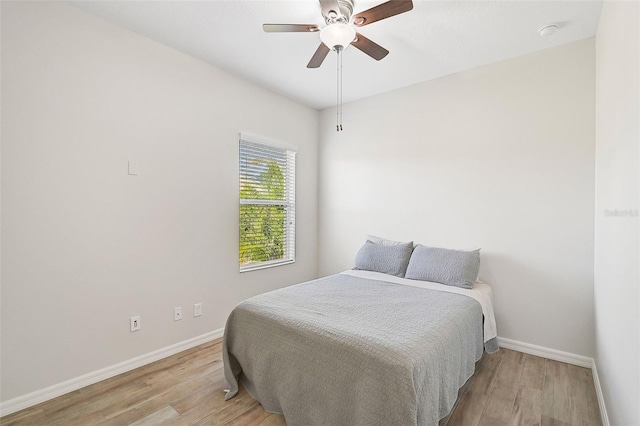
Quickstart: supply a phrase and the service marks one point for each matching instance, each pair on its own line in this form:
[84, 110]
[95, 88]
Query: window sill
[265, 265]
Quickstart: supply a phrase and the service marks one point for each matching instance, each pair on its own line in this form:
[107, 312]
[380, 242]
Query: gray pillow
[392, 260]
[451, 267]
[384, 241]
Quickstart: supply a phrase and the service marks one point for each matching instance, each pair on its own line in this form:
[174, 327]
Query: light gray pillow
[451, 267]
[384, 241]
[392, 260]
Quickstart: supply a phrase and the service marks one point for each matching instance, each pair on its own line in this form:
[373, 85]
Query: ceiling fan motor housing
[342, 15]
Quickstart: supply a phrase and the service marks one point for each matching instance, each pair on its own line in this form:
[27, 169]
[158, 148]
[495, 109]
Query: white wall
[617, 277]
[84, 245]
[499, 157]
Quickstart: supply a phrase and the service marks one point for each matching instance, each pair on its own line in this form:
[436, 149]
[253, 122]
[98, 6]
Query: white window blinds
[267, 205]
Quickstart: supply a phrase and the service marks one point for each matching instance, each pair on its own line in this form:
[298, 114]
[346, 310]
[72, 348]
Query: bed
[359, 348]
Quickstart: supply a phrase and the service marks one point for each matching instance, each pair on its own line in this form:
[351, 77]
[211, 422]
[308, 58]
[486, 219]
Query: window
[267, 205]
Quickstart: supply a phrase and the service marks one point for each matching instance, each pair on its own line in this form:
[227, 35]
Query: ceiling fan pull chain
[339, 91]
[340, 60]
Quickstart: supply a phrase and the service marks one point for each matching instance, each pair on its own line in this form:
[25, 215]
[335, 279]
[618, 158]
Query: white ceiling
[436, 38]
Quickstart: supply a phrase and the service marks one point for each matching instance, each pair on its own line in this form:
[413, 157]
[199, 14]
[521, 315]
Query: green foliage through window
[266, 204]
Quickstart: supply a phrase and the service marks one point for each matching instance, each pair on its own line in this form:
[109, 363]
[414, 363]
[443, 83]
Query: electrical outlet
[177, 313]
[135, 323]
[197, 310]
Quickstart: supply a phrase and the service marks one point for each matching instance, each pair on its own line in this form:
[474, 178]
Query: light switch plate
[133, 168]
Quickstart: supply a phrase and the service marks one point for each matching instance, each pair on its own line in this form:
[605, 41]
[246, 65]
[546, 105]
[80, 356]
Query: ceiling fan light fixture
[337, 34]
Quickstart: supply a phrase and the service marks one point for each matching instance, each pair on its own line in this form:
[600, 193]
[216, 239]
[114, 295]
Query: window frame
[289, 204]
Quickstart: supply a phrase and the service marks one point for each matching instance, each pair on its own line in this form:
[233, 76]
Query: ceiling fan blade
[372, 49]
[290, 28]
[382, 11]
[318, 57]
[329, 6]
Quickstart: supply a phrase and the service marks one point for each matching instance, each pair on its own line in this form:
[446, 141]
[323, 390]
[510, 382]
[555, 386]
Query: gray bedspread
[344, 350]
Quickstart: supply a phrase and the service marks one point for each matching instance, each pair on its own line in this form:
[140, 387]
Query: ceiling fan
[340, 30]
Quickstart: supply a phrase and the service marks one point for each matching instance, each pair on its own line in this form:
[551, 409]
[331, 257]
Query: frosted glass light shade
[338, 34]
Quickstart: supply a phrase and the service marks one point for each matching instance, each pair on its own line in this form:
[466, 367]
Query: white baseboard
[42, 395]
[603, 408]
[569, 358]
[34, 398]
[541, 351]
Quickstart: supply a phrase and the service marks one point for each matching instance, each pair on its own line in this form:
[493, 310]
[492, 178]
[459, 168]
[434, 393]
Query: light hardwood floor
[508, 388]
